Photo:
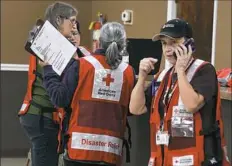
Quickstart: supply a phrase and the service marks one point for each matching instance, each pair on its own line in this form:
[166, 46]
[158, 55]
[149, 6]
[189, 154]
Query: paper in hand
[51, 46]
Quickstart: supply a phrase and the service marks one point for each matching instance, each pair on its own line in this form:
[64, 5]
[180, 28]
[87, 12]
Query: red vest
[181, 151]
[31, 79]
[99, 110]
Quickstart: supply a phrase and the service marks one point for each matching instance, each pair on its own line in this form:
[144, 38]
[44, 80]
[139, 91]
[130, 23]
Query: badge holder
[182, 123]
[162, 137]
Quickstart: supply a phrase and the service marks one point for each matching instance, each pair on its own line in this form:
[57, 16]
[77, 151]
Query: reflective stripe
[187, 160]
[161, 75]
[23, 107]
[96, 142]
[107, 83]
[84, 51]
[96, 64]
[192, 70]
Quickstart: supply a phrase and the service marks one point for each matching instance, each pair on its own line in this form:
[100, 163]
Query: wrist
[141, 80]
[180, 73]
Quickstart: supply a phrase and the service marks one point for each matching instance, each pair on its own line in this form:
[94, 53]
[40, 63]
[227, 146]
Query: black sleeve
[61, 90]
[148, 97]
[135, 81]
[205, 82]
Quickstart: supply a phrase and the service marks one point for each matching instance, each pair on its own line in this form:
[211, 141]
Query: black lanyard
[170, 88]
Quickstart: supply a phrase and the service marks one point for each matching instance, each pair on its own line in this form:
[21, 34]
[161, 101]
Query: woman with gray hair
[97, 90]
[36, 113]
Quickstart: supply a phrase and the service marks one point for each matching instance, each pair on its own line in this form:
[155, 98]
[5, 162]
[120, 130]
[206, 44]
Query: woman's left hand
[44, 63]
[184, 56]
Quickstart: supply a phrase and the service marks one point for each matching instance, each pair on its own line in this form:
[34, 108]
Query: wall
[148, 15]
[17, 19]
[223, 36]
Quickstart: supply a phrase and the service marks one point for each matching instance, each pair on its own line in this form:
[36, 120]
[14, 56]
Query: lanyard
[169, 92]
[170, 88]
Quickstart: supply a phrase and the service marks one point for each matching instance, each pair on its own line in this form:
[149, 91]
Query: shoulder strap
[84, 51]
[97, 65]
[162, 74]
[195, 66]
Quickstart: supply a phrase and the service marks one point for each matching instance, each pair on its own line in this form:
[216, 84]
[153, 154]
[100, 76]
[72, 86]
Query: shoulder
[72, 65]
[207, 70]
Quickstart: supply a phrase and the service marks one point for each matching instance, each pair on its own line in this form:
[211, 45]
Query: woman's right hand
[145, 67]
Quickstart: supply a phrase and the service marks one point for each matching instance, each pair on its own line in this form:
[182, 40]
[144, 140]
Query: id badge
[162, 138]
[182, 123]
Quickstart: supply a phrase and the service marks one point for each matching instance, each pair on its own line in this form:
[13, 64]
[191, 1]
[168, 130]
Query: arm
[192, 100]
[200, 90]
[138, 99]
[60, 90]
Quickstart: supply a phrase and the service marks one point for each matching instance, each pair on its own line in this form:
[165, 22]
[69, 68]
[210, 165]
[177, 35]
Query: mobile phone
[187, 43]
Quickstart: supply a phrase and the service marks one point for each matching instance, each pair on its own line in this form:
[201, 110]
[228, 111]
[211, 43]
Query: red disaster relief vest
[99, 111]
[32, 74]
[184, 151]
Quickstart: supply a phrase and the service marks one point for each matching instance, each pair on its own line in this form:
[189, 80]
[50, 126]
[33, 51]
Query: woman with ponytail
[96, 89]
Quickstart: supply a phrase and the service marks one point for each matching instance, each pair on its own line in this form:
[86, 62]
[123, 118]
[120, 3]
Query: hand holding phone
[186, 44]
[184, 55]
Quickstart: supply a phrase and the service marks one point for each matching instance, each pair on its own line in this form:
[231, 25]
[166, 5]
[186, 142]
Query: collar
[100, 51]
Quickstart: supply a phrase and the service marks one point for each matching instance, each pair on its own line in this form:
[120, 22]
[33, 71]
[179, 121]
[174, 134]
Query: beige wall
[148, 15]
[18, 17]
[223, 36]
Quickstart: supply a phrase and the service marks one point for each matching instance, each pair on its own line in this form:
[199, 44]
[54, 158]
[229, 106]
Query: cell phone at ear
[187, 43]
[191, 43]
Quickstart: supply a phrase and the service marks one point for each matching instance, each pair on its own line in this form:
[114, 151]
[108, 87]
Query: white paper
[51, 46]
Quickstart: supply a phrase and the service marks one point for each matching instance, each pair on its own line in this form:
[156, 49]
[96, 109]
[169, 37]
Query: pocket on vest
[101, 115]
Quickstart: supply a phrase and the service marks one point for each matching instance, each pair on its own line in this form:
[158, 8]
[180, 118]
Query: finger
[190, 50]
[40, 62]
[147, 67]
[179, 49]
[144, 68]
[184, 48]
[153, 60]
[177, 54]
[151, 64]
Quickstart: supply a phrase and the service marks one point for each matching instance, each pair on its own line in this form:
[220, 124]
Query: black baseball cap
[175, 28]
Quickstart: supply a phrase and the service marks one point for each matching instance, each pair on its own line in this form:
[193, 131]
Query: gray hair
[113, 41]
[58, 11]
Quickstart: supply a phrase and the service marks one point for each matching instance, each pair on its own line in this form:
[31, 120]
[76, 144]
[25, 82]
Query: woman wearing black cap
[186, 125]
